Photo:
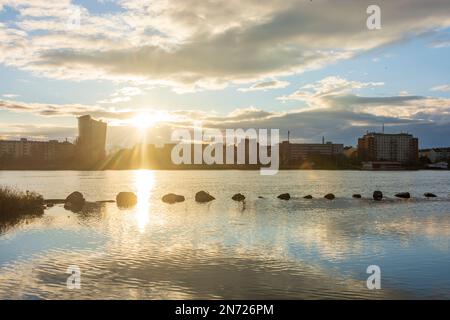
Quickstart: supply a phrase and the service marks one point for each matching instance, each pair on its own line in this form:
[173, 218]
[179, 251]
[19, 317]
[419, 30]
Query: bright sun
[143, 120]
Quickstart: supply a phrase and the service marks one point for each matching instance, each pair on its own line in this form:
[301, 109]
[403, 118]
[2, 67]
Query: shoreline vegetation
[17, 205]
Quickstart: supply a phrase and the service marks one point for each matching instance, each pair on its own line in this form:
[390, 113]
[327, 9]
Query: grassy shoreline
[14, 202]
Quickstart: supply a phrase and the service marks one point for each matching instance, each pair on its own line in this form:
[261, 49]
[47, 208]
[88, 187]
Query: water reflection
[144, 182]
[272, 249]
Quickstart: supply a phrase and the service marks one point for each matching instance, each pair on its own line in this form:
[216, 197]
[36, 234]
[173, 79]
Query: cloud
[337, 93]
[36, 132]
[10, 95]
[332, 108]
[122, 95]
[266, 85]
[316, 94]
[443, 88]
[65, 110]
[443, 43]
[191, 45]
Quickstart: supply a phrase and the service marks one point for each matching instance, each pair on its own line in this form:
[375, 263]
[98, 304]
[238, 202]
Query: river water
[263, 248]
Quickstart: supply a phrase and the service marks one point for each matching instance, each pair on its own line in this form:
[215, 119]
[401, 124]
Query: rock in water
[308, 197]
[172, 198]
[126, 199]
[203, 196]
[284, 196]
[357, 196]
[75, 198]
[329, 196]
[403, 195]
[238, 197]
[429, 195]
[377, 195]
[74, 202]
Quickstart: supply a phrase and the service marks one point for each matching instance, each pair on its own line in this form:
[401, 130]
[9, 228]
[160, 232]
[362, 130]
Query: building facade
[436, 154]
[297, 152]
[401, 147]
[48, 151]
[91, 142]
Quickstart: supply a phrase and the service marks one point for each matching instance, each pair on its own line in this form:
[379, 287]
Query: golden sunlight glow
[144, 182]
[143, 120]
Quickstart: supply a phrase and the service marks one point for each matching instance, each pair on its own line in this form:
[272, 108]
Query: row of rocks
[201, 196]
[377, 195]
[76, 201]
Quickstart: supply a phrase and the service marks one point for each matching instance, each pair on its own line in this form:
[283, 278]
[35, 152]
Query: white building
[400, 147]
[436, 154]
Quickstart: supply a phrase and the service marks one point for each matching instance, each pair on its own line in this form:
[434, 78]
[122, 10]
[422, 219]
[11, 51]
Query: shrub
[13, 203]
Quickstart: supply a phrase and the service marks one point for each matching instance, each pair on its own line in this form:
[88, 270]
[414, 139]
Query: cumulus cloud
[266, 85]
[316, 94]
[337, 93]
[10, 95]
[65, 110]
[191, 45]
[444, 88]
[122, 95]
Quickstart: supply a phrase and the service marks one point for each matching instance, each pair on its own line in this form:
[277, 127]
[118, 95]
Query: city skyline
[247, 66]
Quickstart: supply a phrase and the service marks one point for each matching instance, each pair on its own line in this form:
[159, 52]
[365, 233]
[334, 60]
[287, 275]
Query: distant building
[401, 147]
[91, 142]
[36, 150]
[436, 154]
[297, 152]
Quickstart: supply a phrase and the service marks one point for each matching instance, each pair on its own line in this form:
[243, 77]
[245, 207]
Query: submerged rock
[172, 198]
[357, 196]
[126, 199]
[377, 195]
[284, 196]
[403, 195]
[329, 196]
[308, 197]
[238, 197]
[203, 196]
[429, 195]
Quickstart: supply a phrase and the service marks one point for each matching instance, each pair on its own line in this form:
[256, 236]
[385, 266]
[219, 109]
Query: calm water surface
[265, 248]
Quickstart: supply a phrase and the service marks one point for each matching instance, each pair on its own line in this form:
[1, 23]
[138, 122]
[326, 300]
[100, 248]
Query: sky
[312, 67]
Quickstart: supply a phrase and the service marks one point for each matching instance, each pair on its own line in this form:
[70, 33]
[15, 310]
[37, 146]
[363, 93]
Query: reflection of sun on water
[144, 182]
